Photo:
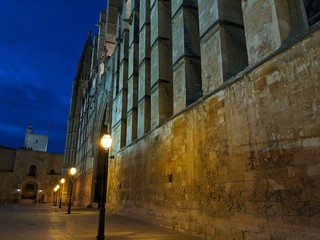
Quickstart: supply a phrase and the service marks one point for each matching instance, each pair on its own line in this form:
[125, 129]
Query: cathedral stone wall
[213, 107]
[83, 190]
[240, 163]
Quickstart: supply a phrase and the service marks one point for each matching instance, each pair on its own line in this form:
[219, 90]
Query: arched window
[32, 170]
[52, 172]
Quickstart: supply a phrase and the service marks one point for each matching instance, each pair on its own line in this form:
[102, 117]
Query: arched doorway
[29, 190]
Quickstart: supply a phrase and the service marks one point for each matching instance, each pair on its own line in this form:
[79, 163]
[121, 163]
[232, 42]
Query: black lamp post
[62, 181]
[106, 144]
[72, 172]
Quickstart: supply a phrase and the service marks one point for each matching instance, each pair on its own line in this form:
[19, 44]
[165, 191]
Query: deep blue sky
[40, 44]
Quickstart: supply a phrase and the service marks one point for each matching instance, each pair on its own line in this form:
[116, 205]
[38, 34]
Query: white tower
[37, 142]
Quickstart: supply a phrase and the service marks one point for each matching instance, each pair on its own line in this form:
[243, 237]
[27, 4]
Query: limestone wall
[82, 190]
[47, 175]
[241, 163]
[7, 157]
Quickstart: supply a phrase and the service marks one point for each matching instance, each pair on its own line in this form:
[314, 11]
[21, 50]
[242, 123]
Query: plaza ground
[32, 222]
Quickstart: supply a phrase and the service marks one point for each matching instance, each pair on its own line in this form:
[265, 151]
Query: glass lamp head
[72, 171]
[106, 141]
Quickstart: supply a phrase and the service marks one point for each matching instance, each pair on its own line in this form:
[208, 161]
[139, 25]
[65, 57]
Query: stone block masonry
[161, 74]
[132, 111]
[185, 54]
[215, 117]
[222, 42]
[144, 118]
[240, 164]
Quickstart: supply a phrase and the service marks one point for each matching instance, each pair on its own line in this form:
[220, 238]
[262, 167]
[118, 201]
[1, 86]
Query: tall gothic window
[312, 10]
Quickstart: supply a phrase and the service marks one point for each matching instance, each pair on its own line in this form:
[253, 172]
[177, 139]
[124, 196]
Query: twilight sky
[41, 42]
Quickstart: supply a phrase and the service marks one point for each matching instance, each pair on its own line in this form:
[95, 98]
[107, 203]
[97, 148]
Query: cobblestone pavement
[33, 222]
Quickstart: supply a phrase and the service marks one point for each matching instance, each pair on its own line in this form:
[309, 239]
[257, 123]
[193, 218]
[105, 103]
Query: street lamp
[40, 196]
[57, 189]
[72, 172]
[106, 141]
[62, 181]
[55, 195]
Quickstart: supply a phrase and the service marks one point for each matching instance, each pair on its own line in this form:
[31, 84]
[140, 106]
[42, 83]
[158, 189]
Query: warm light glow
[106, 141]
[55, 189]
[73, 171]
[62, 181]
[58, 186]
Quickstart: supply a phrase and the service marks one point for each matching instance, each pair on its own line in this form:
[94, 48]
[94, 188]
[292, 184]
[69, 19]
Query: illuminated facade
[213, 109]
[28, 176]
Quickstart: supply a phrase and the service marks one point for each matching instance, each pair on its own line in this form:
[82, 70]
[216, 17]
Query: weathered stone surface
[242, 163]
[132, 117]
[186, 85]
[185, 37]
[14, 177]
[144, 79]
[185, 56]
[144, 17]
[161, 75]
[160, 20]
[119, 107]
[223, 47]
[161, 95]
[211, 61]
[124, 46]
[144, 98]
[133, 60]
[211, 11]
[160, 63]
[83, 190]
[144, 117]
[276, 24]
[144, 43]
[132, 109]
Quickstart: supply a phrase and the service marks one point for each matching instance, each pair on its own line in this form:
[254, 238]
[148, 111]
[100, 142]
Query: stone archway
[29, 190]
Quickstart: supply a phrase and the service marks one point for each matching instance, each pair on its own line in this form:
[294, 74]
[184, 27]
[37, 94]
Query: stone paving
[32, 222]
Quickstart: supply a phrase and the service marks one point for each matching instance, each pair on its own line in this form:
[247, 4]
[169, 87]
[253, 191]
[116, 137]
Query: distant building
[37, 142]
[27, 175]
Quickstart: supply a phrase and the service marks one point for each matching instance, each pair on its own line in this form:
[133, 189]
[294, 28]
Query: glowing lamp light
[106, 141]
[62, 181]
[72, 171]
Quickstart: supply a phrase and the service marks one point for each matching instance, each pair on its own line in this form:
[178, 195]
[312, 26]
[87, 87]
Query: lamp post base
[101, 223]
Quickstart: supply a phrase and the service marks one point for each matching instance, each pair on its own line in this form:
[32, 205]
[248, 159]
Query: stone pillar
[222, 41]
[161, 61]
[119, 108]
[185, 54]
[111, 28]
[144, 69]
[276, 22]
[132, 111]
